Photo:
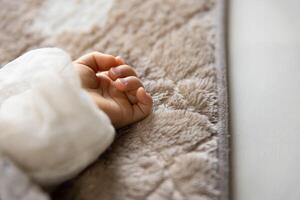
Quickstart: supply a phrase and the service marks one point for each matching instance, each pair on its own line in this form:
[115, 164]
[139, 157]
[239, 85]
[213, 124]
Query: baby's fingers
[121, 72]
[128, 83]
[99, 62]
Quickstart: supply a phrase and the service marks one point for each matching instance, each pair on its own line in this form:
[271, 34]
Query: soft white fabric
[49, 125]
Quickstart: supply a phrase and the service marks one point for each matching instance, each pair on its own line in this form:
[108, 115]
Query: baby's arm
[50, 127]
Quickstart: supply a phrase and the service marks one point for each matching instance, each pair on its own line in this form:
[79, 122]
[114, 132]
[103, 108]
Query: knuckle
[132, 70]
[125, 66]
[136, 79]
[129, 69]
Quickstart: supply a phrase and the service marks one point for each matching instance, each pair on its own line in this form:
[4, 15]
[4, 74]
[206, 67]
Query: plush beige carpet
[177, 47]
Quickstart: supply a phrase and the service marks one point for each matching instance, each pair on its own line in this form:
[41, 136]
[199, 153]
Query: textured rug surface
[176, 46]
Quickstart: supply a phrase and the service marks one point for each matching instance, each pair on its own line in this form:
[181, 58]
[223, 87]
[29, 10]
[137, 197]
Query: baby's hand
[115, 88]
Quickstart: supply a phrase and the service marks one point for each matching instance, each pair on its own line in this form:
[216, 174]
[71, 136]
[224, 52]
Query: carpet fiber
[177, 47]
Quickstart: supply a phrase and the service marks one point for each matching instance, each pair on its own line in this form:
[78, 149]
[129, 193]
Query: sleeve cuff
[49, 126]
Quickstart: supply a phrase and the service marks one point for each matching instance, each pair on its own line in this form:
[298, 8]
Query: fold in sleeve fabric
[48, 124]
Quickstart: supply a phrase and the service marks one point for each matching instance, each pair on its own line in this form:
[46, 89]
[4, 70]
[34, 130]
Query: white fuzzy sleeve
[48, 125]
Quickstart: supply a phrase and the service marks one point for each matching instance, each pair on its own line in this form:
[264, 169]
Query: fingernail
[132, 98]
[120, 59]
[115, 71]
[123, 81]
